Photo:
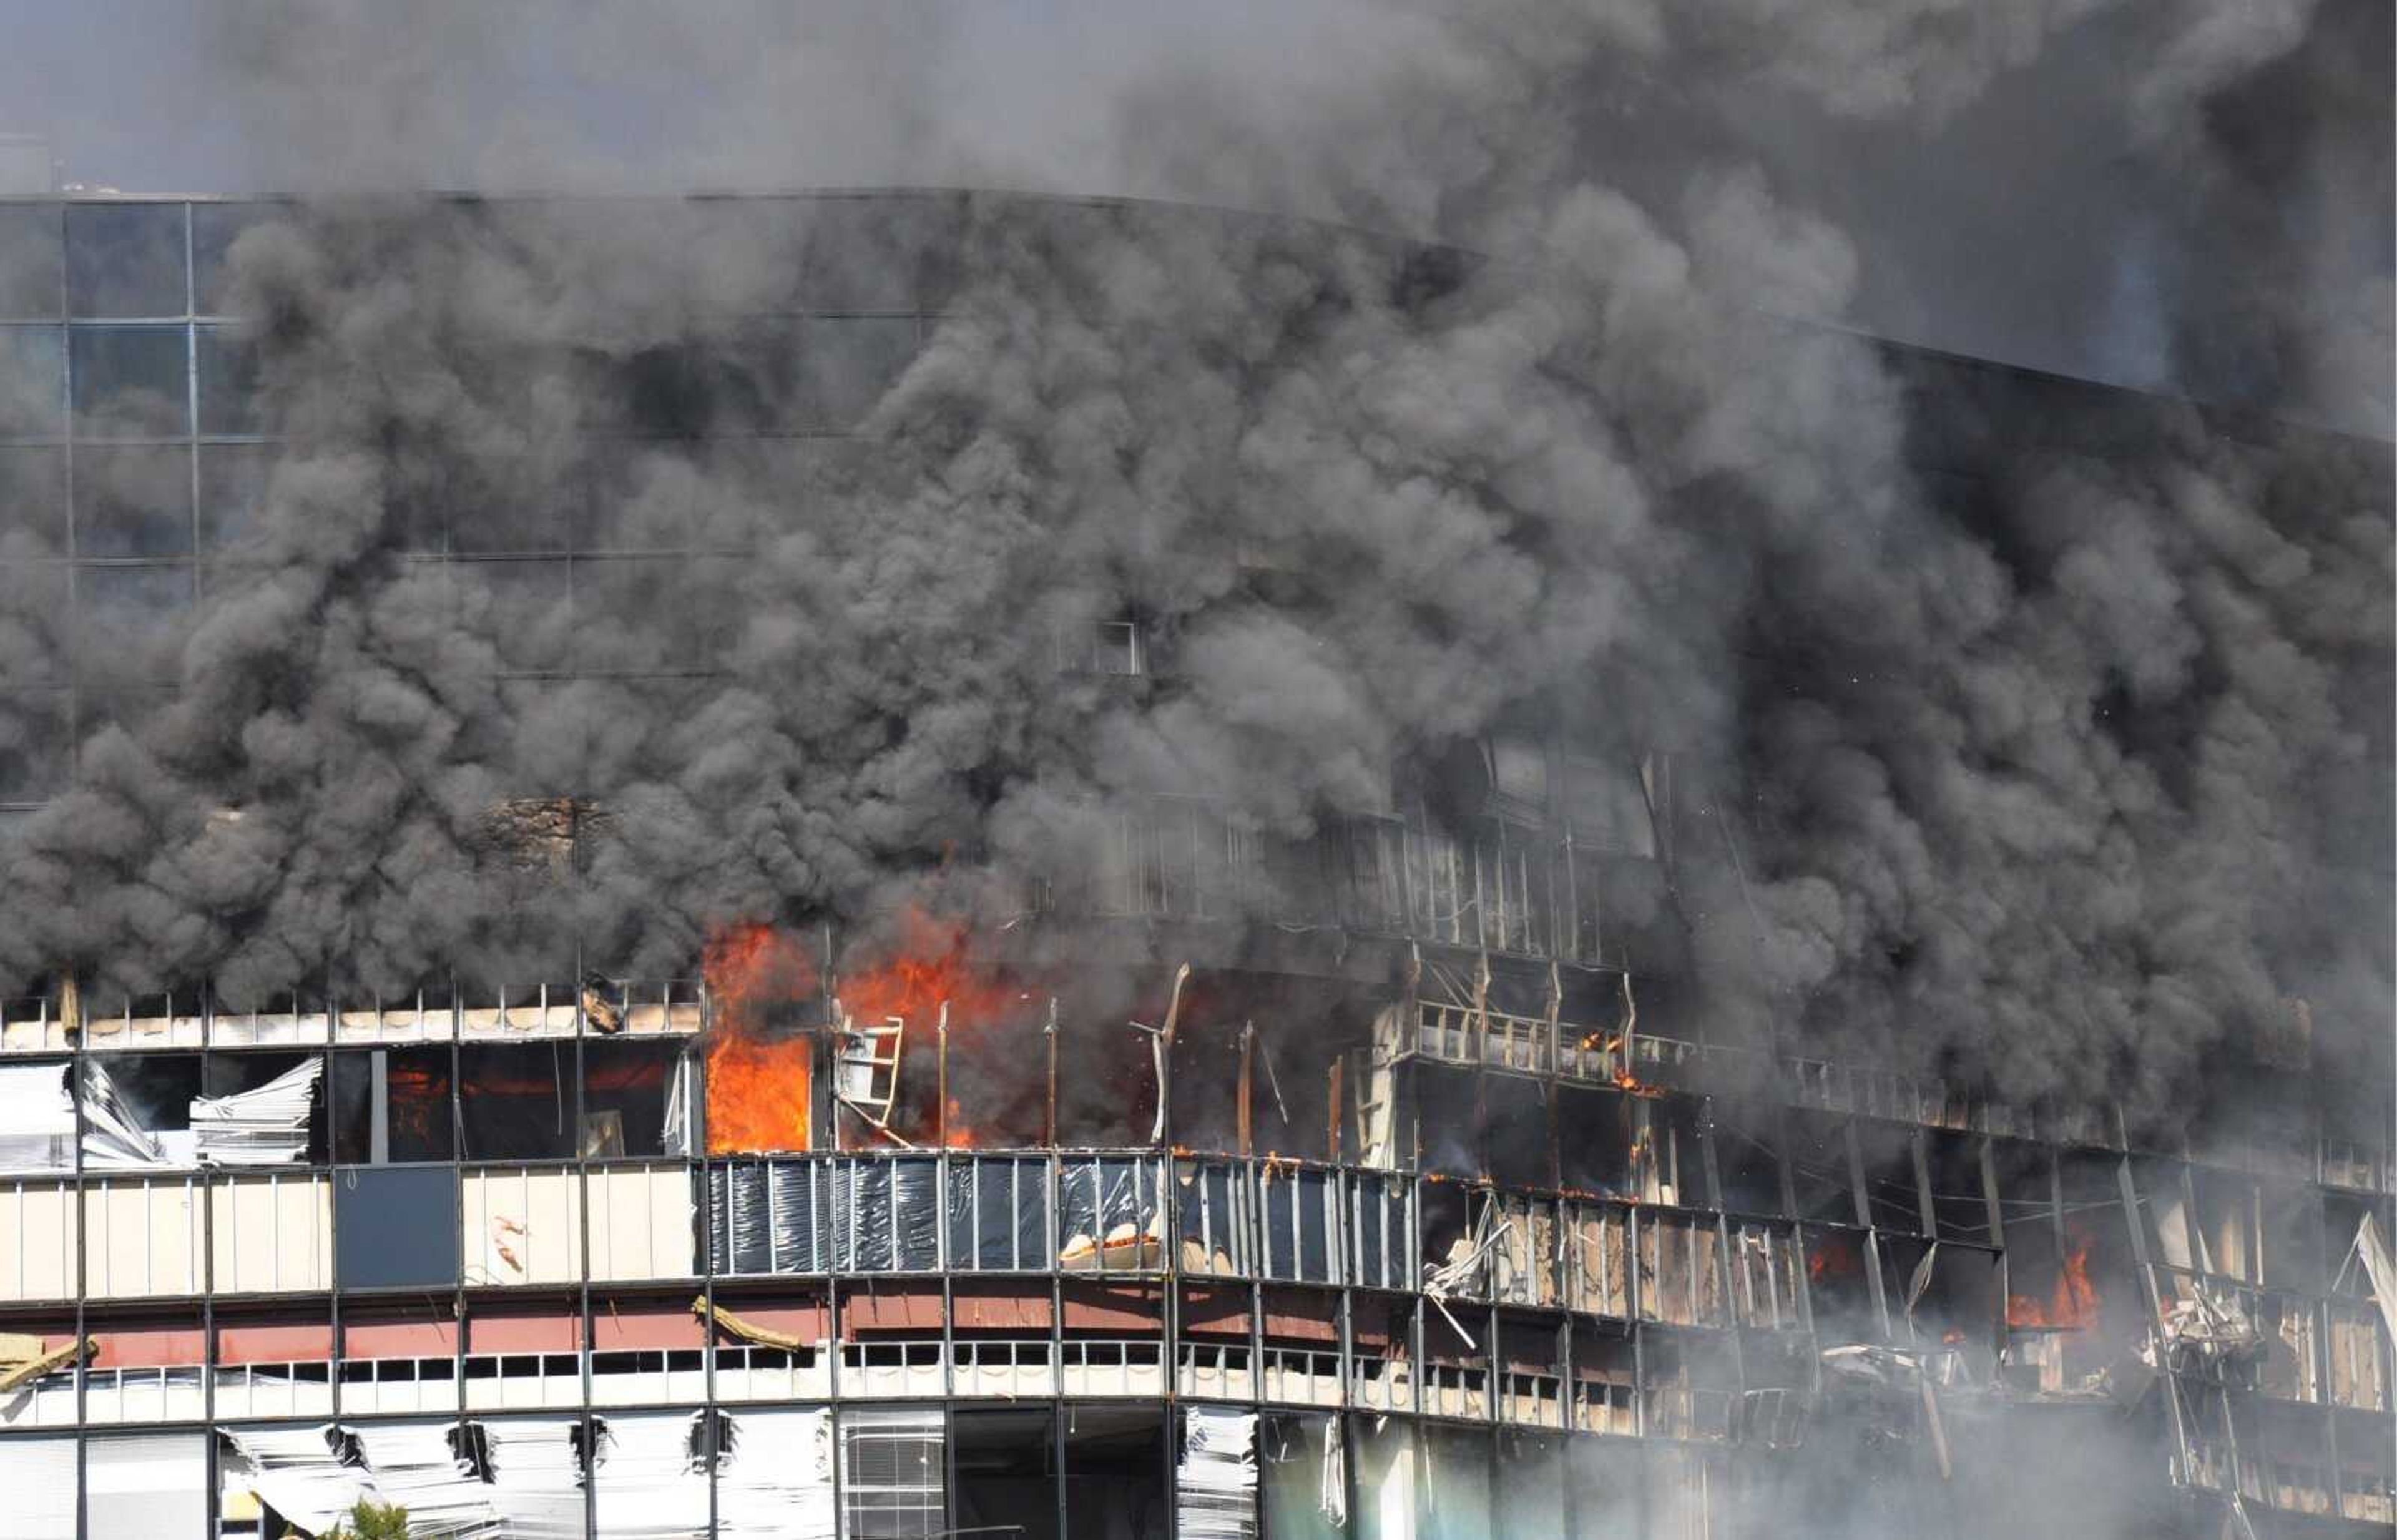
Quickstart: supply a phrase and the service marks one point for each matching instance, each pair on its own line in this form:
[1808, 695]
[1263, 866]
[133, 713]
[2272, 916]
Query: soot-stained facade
[652, 898]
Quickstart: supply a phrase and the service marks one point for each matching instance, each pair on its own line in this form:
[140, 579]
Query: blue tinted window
[395, 1226]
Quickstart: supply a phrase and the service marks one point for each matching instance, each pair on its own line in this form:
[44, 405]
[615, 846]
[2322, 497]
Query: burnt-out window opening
[1444, 1220]
[391, 1105]
[1765, 1287]
[1959, 1198]
[1005, 1464]
[1747, 1158]
[1596, 1258]
[1298, 1224]
[2224, 1223]
[1689, 1384]
[245, 1128]
[517, 1101]
[999, 1213]
[1594, 1135]
[1115, 1471]
[1839, 1294]
[1521, 1137]
[770, 1216]
[627, 1091]
[1668, 1158]
[1212, 1218]
[151, 1092]
[886, 1214]
[1818, 1167]
[2291, 1238]
[1448, 1130]
[1381, 1245]
[1680, 1279]
[1887, 1151]
[395, 1226]
[1521, 1233]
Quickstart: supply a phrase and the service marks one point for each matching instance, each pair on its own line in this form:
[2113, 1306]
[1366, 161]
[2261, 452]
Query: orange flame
[2073, 1306]
[758, 1087]
[928, 968]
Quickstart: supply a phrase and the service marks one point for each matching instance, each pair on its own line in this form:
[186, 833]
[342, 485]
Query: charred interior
[1425, 1162]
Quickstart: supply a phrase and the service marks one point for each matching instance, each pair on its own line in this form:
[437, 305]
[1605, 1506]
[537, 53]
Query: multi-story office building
[1387, 1182]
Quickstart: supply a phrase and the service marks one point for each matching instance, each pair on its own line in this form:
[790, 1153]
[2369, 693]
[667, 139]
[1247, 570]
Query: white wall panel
[272, 1232]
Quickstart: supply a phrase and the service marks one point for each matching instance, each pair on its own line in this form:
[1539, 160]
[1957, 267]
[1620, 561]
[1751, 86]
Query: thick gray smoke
[2066, 788]
[2064, 791]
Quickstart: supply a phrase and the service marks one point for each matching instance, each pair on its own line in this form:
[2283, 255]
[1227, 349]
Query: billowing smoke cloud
[2061, 785]
[2067, 778]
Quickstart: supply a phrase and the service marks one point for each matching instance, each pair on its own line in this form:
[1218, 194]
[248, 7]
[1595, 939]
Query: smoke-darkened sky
[2189, 197]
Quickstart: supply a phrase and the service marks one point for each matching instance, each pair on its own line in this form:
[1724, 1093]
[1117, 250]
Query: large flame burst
[759, 1080]
[758, 1085]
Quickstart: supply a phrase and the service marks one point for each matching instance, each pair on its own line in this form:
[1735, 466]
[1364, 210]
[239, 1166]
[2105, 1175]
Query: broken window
[517, 1102]
[1215, 1480]
[1006, 1472]
[391, 1105]
[629, 1092]
[1764, 1275]
[1302, 1476]
[1116, 1471]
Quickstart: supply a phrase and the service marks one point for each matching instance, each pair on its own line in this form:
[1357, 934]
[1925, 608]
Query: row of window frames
[137, 501]
[127, 381]
[116, 260]
[136, 381]
[156, 260]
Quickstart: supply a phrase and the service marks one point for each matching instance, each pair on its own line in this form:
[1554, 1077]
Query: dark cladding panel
[395, 1226]
[998, 1215]
[770, 1216]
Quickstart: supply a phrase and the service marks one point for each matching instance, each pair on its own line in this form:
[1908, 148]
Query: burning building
[737, 902]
